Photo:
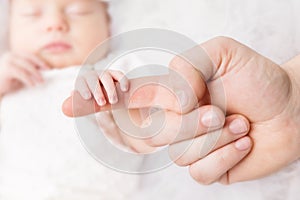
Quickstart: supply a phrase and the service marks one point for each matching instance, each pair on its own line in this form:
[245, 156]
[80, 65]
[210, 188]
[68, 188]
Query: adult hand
[257, 88]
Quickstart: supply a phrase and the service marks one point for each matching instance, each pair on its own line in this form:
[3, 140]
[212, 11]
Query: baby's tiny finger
[29, 68]
[22, 76]
[83, 89]
[36, 61]
[122, 79]
[95, 87]
[109, 86]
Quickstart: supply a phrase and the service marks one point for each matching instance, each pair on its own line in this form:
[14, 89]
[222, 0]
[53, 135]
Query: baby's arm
[17, 70]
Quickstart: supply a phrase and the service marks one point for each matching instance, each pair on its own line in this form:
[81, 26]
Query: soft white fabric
[41, 156]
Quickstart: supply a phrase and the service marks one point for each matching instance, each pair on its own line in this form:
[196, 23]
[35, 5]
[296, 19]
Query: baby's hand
[17, 70]
[89, 85]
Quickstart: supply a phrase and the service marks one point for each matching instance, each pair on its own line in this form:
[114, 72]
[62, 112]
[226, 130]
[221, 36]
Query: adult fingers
[189, 151]
[214, 166]
[123, 80]
[179, 127]
[110, 128]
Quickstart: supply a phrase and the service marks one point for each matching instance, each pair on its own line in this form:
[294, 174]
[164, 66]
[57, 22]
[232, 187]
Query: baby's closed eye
[30, 11]
[80, 8]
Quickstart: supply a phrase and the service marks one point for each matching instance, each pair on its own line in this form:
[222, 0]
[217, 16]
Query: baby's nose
[56, 22]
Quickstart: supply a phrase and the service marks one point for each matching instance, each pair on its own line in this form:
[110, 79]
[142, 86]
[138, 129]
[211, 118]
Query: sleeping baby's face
[62, 32]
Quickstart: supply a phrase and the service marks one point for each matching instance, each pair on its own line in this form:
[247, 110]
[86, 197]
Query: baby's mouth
[57, 47]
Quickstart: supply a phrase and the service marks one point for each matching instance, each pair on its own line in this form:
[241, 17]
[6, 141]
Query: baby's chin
[62, 61]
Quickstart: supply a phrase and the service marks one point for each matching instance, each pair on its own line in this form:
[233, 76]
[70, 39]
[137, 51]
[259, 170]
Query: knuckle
[224, 42]
[223, 39]
[221, 160]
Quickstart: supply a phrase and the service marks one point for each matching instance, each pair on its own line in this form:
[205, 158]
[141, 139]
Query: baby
[54, 34]
[41, 157]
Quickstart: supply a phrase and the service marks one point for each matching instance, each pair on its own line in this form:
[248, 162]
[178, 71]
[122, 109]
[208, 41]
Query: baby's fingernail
[86, 95]
[211, 119]
[243, 144]
[101, 102]
[238, 126]
[124, 87]
[113, 99]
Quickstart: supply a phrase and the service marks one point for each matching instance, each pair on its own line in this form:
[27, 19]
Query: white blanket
[41, 156]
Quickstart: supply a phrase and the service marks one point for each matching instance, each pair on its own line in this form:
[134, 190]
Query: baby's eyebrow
[29, 9]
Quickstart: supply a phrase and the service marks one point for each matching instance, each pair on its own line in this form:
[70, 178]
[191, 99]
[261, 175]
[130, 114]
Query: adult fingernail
[243, 144]
[211, 119]
[238, 126]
